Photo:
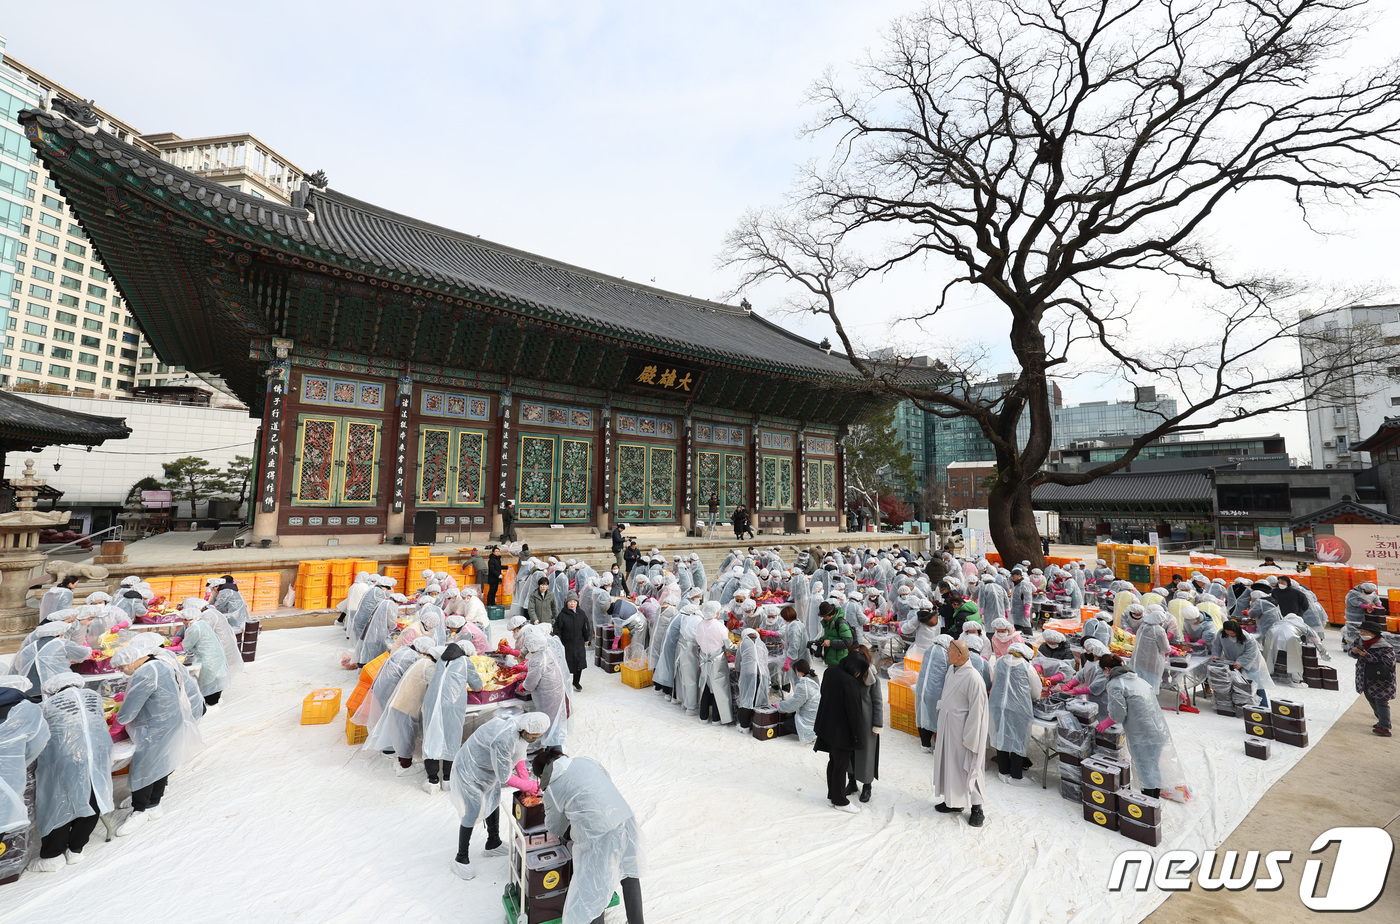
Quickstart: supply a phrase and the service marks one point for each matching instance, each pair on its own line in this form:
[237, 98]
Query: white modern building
[240, 162]
[95, 483]
[1360, 403]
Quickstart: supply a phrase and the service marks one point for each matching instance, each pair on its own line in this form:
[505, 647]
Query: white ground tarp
[276, 821]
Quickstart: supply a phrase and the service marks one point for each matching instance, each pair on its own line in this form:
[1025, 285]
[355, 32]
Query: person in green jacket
[837, 637]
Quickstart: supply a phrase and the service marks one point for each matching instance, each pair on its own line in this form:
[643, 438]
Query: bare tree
[1054, 153]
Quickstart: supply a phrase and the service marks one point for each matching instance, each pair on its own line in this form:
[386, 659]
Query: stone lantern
[19, 551]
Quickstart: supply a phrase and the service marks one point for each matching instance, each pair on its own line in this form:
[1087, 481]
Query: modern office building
[1358, 406]
[241, 162]
[1082, 454]
[1098, 420]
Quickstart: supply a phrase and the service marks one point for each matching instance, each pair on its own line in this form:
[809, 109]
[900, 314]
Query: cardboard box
[1098, 816]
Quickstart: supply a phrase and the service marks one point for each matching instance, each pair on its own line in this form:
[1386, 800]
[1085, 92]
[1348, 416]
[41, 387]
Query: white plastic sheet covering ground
[276, 821]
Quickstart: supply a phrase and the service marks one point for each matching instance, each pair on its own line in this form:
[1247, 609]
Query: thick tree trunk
[1011, 520]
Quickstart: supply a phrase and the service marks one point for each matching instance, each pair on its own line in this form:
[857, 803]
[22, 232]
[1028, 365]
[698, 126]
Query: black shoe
[851, 787]
[578, 689]
[943, 807]
[865, 793]
[976, 818]
[1027, 763]
[492, 843]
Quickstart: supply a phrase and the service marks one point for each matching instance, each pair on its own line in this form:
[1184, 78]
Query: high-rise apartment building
[1356, 406]
[66, 328]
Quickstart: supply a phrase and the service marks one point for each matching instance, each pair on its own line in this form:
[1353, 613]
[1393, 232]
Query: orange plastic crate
[637, 680]
[355, 734]
[310, 568]
[320, 706]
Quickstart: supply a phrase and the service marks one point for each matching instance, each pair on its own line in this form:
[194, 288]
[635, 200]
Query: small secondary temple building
[401, 367]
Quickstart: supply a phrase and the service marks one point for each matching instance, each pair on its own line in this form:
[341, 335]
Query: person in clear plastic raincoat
[1132, 704]
[976, 644]
[1197, 626]
[491, 759]
[802, 704]
[1015, 687]
[1238, 649]
[1054, 653]
[98, 616]
[1151, 648]
[396, 732]
[351, 603]
[1130, 619]
[129, 599]
[1003, 636]
[228, 600]
[928, 688]
[712, 642]
[1293, 633]
[159, 721]
[580, 798]
[23, 735]
[46, 653]
[795, 641]
[390, 673]
[1091, 681]
[687, 681]
[547, 682]
[202, 647]
[752, 663]
[74, 773]
[670, 607]
[445, 712]
[375, 640]
[58, 597]
[357, 623]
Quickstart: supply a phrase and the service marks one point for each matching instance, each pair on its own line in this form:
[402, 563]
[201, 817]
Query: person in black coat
[1290, 598]
[838, 726]
[574, 629]
[493, 576]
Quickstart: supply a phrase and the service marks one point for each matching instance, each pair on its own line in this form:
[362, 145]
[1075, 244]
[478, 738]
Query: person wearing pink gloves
[491, 759]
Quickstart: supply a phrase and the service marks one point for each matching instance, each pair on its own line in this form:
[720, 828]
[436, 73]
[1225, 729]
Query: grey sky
[627, 137]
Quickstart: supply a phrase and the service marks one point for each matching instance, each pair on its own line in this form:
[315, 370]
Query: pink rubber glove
[1055, 678]
[1039, 669]
[617, 643]
[522, 770]
[1077, 690]
[787, 665]
[125, 624]
[528, 787]
[1103, 725]
[120, 697]
[116, 730]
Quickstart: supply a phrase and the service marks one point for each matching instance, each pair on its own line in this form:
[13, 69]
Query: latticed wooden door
[646, 483]
[777, 483]
[555, 479]
[720, 474]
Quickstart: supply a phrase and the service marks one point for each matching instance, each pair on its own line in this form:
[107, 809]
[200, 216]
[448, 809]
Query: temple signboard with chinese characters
[662, 374]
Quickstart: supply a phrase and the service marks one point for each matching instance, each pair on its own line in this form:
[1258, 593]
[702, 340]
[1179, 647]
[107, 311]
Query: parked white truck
[1047, 522]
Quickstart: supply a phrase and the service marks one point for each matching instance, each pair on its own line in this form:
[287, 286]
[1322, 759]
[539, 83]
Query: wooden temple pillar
[602, 479]
[272, 475]
[799, 490]
[686, 517]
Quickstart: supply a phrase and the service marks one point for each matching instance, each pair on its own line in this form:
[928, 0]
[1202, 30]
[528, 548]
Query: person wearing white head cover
[670, 606]
[227, 599]
[752, 664]
[373, 706]
[98, 615]
[46, 653]
[396, 733]
[546, 680]
[202, 647]
[804, 701]
[74, 772]
[712, 643]
[959, 756]
[158, 718]
[23, 736]
[1130, 618]
[129, 599]
[928, 689]
[359, 618]
[1150, 648]
[473, 609]
[687, 681]
[1132, 704]
[580, 797]
[374, 640]
[976, 644]
[491, 759]
[1015, 687]
[992, 600]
